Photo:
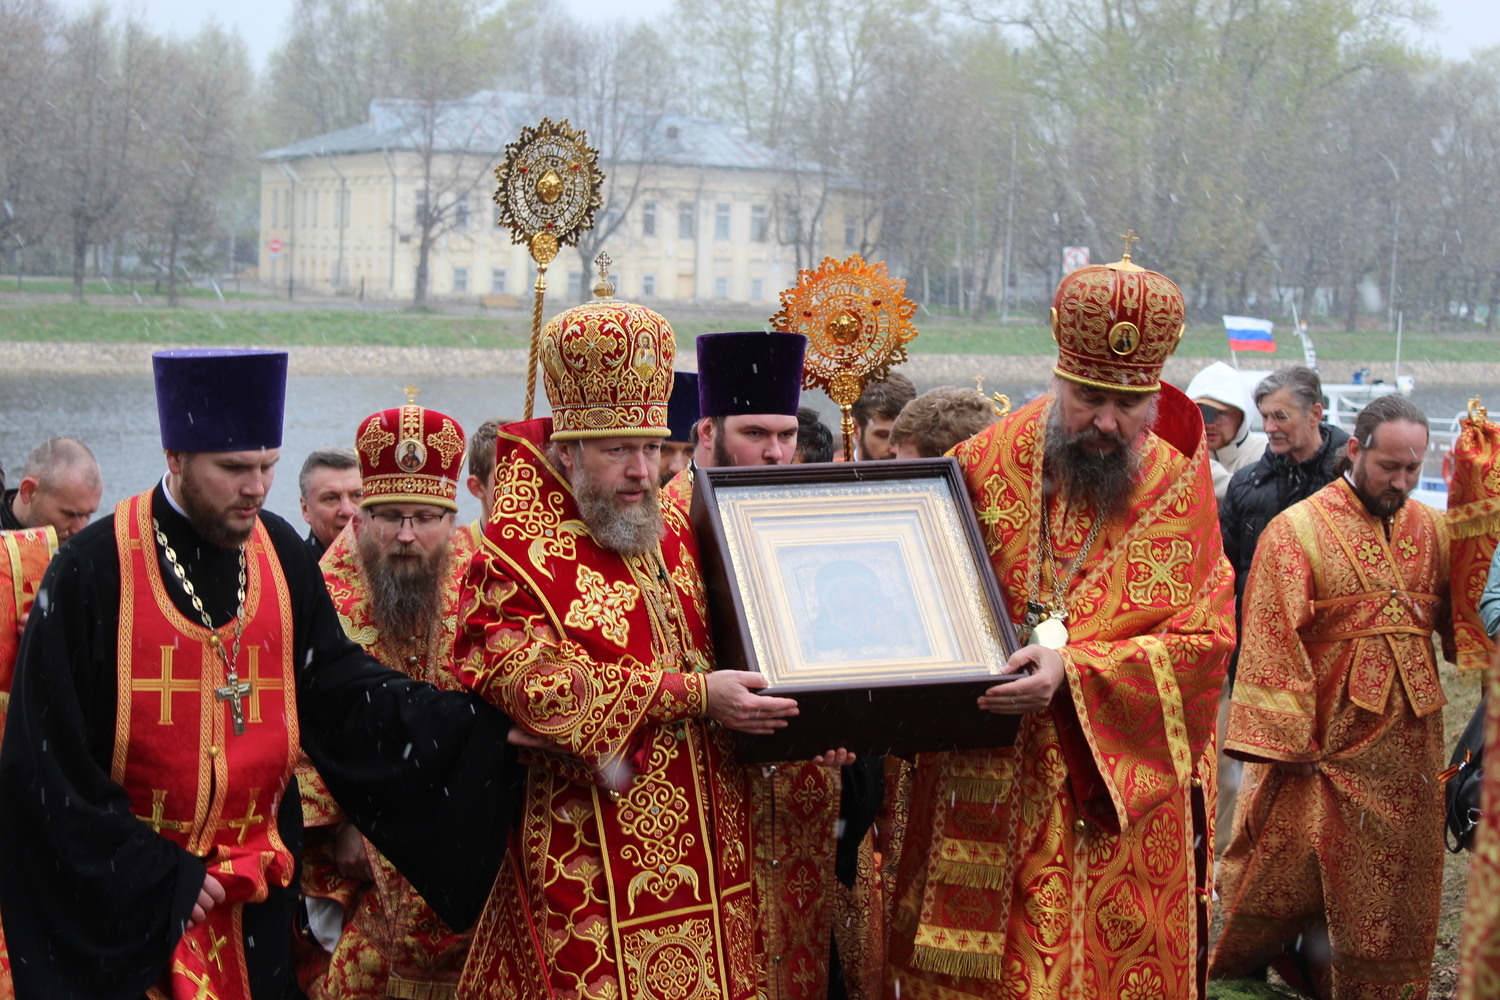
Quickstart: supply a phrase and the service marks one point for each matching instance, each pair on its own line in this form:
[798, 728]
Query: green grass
[93, 324]
[97, 322]
[120, 288]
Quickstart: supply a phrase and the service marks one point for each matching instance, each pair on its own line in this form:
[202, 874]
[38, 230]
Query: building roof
[486, 122]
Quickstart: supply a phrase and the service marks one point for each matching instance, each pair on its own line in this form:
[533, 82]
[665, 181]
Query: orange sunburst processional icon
[857, 320]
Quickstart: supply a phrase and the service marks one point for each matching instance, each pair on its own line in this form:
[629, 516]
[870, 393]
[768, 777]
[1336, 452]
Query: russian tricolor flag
[1247, 334]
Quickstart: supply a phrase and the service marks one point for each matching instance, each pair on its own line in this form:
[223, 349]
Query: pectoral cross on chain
[234, 691]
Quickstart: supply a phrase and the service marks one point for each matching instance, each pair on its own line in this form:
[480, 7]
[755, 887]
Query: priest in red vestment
[393, 574]
[584, 617]
[1335, 867]
[1075, 863]
[179, 653]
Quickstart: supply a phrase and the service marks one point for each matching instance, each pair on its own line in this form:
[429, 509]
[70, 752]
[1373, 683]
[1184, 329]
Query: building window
[760, 223]
[851, 233]
[721, 287]
[575, 285]
[497, 280]
[420, 214]
[721, 222]
[757, 289]
[460, 280]
[461, 212]
[648, 219]
[648, 285]
[687, 220]
[275, 209]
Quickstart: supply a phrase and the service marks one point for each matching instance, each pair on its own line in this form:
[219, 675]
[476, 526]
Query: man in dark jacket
[1300, 454]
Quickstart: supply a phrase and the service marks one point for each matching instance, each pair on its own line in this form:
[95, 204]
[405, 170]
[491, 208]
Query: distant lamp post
[1390, 295]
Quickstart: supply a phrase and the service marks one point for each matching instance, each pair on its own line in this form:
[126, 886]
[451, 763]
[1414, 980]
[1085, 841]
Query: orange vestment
[23, 559]
[393, 944]
[1074, 863]
[1337, 668]
[628, 874]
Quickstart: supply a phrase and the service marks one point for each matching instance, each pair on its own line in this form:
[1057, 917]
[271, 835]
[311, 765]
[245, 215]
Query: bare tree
[200, 128]
[27, 120]
[102, 89]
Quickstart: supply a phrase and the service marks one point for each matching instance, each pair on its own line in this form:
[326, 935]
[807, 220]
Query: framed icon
[864, 591]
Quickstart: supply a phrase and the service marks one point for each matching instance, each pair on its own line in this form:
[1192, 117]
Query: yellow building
[692, 213]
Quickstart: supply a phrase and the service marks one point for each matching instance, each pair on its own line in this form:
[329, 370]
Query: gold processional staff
[550, 187]
[857, 320]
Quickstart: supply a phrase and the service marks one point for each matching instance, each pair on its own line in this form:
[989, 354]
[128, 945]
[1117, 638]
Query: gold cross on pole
[603, 261]
[1131, 239]
[411, 394]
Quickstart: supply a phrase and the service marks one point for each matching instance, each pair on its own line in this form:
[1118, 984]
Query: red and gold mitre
[1115, 325]
[410, 454]
[607, 368]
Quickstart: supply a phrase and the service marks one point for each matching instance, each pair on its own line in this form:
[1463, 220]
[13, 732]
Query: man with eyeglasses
[393, 576]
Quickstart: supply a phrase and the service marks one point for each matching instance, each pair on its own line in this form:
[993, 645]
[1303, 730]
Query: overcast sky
[1467, 24]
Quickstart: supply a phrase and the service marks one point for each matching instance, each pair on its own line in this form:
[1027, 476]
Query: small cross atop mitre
[411, 394]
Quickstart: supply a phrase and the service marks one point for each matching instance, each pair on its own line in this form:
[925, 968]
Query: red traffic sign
[275, 246]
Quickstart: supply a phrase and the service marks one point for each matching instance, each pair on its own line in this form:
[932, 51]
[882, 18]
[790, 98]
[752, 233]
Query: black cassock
[93, 901]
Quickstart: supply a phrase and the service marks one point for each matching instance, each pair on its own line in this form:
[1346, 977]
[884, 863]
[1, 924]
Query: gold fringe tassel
[957, 963]
[980, 790]
[1486, 524]
[968, 873]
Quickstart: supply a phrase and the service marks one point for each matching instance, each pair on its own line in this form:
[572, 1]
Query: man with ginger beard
[1077, 861]
[1334, 875]
[186, 648]
[393, 575]
[584, 614]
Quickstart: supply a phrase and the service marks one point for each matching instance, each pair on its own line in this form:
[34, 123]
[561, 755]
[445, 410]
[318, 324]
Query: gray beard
[407, 600]
[629, 530]
[1101, 482]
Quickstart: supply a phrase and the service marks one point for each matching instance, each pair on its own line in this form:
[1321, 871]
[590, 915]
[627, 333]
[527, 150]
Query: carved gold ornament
[857, 320]
[550, 186]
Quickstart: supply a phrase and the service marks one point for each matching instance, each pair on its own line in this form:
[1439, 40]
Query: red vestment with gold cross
[23, 559]
[1074, 863]
[802, 904]
[629, 872]
[190, 778]
[1337, 669]
[393, 944]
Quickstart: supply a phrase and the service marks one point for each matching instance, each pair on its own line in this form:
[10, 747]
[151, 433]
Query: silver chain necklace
[234, 690]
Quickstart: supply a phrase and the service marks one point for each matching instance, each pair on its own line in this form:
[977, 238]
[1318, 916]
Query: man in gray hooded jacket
[1224, 396]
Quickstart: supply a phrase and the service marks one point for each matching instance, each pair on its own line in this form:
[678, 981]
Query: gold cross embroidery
[158, 810]
[203, 992]
[165, 685]
[259, 685]
[243, 823]
[216, 945]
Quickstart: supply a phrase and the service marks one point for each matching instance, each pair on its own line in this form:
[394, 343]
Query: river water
[116, 417]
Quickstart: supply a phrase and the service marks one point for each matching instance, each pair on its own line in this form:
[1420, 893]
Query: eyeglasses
[1210, 413]
[389, 520]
